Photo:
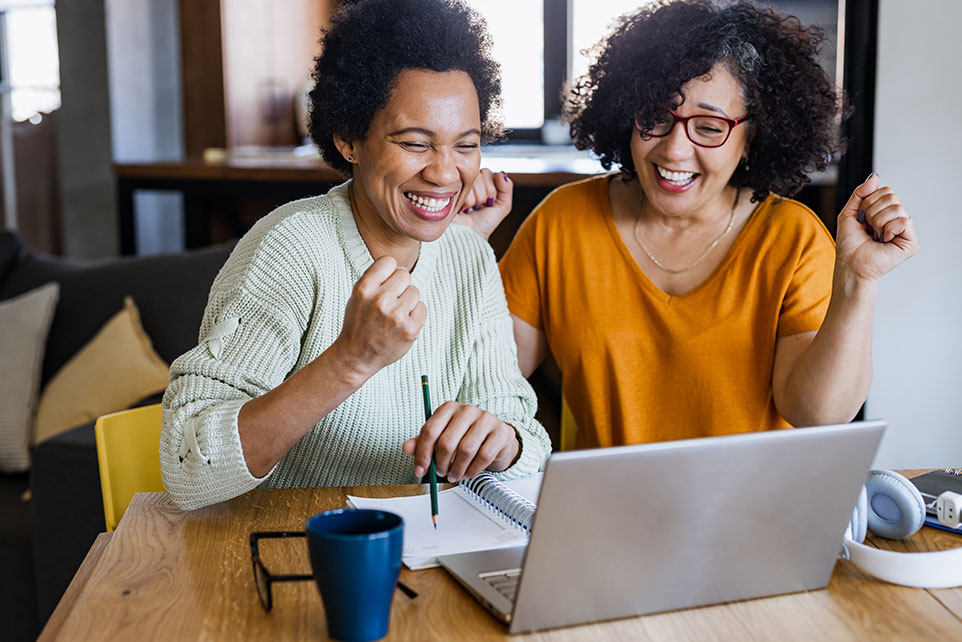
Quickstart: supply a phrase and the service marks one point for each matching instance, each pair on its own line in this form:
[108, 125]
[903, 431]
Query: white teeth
[428, 204]
[675, 177]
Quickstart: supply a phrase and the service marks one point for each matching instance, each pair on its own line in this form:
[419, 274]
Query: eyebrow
[428, 132]
[713, 108]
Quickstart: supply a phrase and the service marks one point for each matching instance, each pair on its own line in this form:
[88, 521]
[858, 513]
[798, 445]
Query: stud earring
[350, 158]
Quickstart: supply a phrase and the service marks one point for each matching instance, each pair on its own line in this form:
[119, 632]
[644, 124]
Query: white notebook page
[464, 523]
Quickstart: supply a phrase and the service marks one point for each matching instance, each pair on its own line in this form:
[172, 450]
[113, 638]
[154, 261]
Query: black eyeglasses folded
[264, 579]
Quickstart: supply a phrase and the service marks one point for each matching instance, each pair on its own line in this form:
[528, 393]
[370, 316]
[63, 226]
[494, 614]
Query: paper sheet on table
[464, 524]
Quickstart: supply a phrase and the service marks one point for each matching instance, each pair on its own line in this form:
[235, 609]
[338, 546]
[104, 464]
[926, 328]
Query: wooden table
[169, 575]
[205, 183]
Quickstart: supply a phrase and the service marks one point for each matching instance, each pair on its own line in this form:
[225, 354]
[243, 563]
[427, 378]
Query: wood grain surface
[54, 625]
[171, 575]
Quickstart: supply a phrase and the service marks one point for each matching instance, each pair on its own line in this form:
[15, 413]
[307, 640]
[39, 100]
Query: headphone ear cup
[895, 506]
[860, 517]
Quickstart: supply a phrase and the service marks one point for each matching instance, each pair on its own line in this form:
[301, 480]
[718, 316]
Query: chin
[434, 235]
[426, 232]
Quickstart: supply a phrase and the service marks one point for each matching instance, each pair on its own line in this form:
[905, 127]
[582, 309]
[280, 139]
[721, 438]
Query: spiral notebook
[478, 514]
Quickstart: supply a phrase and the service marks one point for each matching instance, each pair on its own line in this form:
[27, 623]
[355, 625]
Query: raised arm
[383, 318]
[824, 377]
[232, 412]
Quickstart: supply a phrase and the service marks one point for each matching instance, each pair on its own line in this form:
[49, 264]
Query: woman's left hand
[487, 204]
[875, 233]
[465, 441]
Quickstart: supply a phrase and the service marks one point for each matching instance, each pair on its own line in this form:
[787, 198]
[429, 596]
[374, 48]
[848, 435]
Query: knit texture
[279, 302]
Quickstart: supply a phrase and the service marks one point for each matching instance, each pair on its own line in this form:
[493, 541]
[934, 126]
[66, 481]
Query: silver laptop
[671, 525]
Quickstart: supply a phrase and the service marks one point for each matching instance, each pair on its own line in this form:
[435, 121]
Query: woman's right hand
[382, 319]
[488, 203]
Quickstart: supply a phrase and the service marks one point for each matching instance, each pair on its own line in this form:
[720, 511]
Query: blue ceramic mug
[356, 559]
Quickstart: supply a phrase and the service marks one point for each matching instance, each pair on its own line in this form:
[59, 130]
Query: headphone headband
[939, 569]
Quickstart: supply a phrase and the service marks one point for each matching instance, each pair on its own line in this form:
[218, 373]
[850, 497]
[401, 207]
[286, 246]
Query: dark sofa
[45, 534]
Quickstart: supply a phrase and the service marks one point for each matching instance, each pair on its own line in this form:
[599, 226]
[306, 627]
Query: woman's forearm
[831, 377]
[272, 423]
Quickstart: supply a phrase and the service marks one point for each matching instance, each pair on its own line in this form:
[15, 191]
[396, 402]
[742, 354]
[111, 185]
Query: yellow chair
[127, 452]
[569, 429]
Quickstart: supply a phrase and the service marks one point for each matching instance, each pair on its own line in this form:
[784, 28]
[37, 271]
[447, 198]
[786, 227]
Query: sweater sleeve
[249, 343]
[494, 382]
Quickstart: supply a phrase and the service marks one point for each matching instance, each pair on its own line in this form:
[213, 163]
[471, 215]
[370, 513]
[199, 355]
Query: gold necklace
[731, 222]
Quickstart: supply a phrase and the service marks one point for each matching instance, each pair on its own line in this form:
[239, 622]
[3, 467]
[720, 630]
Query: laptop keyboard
[504, 582]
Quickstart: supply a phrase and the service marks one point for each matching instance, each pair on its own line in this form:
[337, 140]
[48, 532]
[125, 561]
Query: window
[540, 45]
[590, 21]
[538, 51]
[29, 86]
[28, 34]
[517, 27]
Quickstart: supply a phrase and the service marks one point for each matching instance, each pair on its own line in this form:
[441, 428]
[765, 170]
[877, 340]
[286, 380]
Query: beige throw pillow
[24, 322]
[114, 370]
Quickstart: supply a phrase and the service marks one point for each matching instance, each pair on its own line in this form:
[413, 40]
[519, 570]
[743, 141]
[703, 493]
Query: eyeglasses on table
[264, 579]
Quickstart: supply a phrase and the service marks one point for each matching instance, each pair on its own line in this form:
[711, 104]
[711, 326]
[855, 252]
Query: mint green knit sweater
[279, 302]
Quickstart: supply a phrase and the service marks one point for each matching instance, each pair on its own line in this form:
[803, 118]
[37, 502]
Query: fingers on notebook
[464, 439]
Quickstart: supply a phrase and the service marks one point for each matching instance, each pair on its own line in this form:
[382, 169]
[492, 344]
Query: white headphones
[890, 506]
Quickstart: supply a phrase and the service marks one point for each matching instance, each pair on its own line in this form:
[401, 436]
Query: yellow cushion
[116, 368]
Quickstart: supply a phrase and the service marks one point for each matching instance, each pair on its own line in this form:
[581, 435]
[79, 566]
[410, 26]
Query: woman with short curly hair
[686, 295]
[330, 309]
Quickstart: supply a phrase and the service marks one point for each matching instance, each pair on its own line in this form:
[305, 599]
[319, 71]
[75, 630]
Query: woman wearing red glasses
[686, 296]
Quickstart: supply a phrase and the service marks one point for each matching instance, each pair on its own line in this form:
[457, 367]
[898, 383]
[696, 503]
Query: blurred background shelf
[225, 191]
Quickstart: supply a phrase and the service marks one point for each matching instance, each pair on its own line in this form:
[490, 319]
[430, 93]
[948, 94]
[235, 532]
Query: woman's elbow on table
[201, 458]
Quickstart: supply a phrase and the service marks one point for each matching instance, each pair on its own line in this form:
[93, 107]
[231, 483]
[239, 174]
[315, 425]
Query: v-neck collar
[609, 216]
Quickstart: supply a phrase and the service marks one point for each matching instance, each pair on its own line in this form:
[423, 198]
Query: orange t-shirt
[639, 365]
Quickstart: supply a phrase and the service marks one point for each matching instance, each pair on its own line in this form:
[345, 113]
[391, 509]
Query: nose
[676, 143]
[441, 168]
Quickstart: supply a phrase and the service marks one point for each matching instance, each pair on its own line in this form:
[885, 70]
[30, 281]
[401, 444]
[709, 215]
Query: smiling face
[418, 161]
[680, 178]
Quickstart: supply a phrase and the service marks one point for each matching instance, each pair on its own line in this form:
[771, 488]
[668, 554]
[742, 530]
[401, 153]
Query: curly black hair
[641, 67]
[370, 42]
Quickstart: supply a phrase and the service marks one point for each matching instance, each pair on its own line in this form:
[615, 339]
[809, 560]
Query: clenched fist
[382, 319]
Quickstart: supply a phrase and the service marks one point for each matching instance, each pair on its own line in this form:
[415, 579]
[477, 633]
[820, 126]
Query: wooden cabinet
[244, 61]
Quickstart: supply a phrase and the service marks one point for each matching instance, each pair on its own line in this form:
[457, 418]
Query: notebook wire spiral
[511, 506]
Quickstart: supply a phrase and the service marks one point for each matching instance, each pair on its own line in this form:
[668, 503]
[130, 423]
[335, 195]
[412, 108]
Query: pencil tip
[434, 518]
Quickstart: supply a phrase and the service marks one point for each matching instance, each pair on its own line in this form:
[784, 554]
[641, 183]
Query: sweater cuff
[225, 445]
[530, 460]
[218, 470]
